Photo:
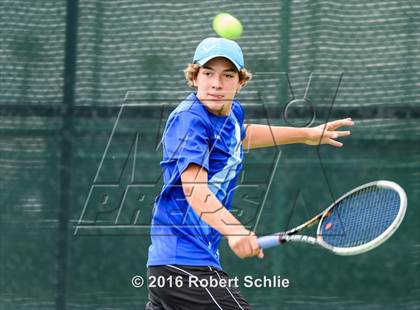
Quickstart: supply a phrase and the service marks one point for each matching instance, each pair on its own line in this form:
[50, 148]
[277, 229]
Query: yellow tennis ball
[227, 26]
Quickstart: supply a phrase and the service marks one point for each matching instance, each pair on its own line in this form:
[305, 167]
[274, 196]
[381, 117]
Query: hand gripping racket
[357, 222]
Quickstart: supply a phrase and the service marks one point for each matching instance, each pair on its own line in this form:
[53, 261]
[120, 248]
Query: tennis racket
[357, 222]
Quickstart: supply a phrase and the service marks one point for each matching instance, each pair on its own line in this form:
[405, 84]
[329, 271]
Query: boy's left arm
[258, 136]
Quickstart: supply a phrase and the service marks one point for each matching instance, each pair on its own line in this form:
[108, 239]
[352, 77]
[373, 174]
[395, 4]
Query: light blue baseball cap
[219, 47]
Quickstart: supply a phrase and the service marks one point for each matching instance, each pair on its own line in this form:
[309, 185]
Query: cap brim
[204, 60]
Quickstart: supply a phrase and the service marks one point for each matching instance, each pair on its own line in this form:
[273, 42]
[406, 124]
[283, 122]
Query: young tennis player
[203, 146]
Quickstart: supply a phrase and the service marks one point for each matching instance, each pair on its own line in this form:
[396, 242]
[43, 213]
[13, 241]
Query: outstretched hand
[327, 133]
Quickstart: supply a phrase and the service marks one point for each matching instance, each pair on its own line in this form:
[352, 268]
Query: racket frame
[379, 239]
[292, 234]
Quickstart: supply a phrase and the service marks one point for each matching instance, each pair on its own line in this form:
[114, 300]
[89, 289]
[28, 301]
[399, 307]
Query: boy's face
[217, 83]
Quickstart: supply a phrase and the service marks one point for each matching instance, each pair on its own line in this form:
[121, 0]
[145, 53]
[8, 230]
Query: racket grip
[268, 241]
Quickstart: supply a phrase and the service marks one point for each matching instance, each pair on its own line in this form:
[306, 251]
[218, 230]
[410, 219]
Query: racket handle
[268, 241]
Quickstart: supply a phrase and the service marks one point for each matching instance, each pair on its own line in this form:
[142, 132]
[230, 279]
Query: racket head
[363, 218]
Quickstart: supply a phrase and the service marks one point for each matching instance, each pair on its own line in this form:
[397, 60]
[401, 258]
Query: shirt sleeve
[186, 141]
[243, 131]
[240, 115]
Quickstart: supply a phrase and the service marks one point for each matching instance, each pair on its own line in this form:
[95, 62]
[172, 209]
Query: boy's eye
[229, 76]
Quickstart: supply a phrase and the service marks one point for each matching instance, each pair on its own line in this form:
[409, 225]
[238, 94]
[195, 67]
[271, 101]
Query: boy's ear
[195, 80]
[239, 88]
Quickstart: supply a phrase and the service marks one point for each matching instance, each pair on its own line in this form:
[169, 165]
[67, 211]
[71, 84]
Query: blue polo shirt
[194, 135]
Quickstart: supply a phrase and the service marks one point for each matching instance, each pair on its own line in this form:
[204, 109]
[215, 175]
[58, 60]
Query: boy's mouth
[216, 97]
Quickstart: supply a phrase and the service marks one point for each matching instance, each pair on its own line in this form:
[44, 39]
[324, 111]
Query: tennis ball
[227, 26]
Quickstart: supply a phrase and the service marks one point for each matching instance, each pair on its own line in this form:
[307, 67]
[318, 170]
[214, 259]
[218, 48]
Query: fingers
[334, 143]
[338, 134]
[256, 248]
[245, 246]
[339, 123]
[330, 136]
[244, 249]
[253, 249]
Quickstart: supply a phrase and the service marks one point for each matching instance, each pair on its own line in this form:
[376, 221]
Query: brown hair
[191, 72]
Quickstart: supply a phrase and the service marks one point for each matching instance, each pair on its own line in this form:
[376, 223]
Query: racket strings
[360, 217]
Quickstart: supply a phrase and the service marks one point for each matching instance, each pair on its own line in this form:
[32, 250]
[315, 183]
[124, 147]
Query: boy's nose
[216, 82]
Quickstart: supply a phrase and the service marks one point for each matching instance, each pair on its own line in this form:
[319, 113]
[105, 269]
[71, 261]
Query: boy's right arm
[195, 185]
